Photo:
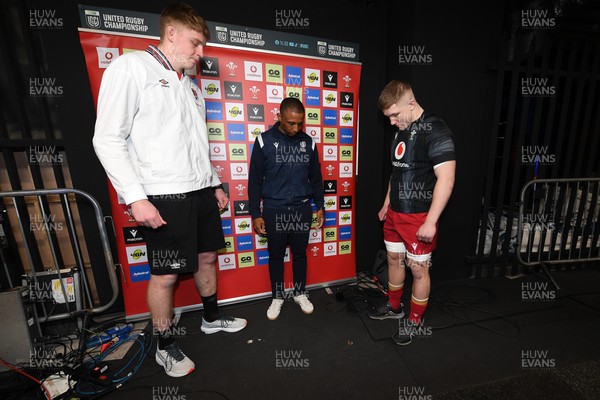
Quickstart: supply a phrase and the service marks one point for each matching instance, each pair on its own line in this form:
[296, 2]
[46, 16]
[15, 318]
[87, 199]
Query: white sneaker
[176, 363]
[223, 323]
[305, 304]
[274, 309]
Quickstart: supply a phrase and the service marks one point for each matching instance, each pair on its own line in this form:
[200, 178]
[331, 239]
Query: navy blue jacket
[284, 171]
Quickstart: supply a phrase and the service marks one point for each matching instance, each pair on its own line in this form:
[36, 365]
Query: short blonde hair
[183, 14]
[392, 92]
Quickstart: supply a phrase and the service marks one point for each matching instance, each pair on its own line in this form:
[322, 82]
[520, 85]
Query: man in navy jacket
[285, 173]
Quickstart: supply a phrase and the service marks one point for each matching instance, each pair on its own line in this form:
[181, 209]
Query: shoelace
[175, 353]
[225, 320]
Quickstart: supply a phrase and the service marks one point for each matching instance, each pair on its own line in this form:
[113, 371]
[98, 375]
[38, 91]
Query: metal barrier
[558, 222]
[45, 222]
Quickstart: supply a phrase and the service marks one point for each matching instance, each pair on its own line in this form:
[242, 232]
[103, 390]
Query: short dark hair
[184, 14]
[291, 104]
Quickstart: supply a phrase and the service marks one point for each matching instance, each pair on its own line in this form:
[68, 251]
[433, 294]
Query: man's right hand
[146, 214]
[383, 212]
[259, 226]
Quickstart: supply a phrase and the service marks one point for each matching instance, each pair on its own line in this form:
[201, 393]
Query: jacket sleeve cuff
[134, 194]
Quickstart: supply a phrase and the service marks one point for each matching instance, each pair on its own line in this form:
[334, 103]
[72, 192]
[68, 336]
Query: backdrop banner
[244, 75]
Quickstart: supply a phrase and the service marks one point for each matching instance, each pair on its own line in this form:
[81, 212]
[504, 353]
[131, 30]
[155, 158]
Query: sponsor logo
[330, 79]
[226, 261]
[330, 186]
[211, 88]
[236, 132]
[133, 235]
[246, 259]
[347, 100]
[345, 248]
[274, 73]
[239, 171]
[346, 118]
[255, 112]
[136, 254]
[209, 66]
[345, 232]
[346, 136]
[106, 55]
[293, 76]
[233, 90]
[313, 116]
[345, 202]
[346, 170]
[214, 111]
[241, 208]
[253, 71]
[312, 77]
[330, 98]
[139, 273]
[330, 117]
[312, 97]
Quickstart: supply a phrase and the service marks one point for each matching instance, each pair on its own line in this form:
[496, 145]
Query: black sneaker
[385, 311]
[406, 331]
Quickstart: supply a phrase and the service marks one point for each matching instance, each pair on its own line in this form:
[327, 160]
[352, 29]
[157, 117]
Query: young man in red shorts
[421, 183]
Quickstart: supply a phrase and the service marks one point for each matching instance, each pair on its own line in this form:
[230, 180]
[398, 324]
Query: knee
[163, 281]
[419, 269]
[207, 258]
[396, 258]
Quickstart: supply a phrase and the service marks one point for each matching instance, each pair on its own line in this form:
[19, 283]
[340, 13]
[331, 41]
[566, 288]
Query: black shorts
[193, 226]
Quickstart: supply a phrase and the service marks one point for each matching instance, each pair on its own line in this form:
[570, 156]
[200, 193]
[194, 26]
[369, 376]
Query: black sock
[211, 310]
[165, 338]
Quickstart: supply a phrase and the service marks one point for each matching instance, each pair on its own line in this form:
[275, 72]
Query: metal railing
[558, 222]
[45, 222]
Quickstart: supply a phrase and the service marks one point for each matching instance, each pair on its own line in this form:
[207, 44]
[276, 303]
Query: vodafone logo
[330, 247]
[330, 151]
[253, 69]
[108, 56]
[239, 169]
[346, 168]
[227, 260]
[216, 150]
[275, 92]
[400, 149]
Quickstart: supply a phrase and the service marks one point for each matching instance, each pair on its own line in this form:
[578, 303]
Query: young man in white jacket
[152, 140]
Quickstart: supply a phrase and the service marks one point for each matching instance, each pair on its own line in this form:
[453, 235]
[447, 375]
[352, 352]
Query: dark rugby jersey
[415, 151]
